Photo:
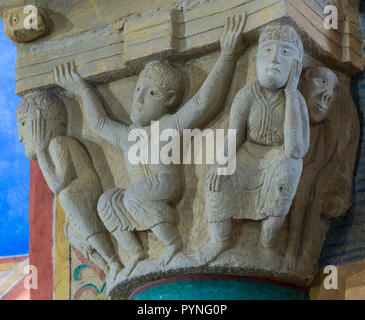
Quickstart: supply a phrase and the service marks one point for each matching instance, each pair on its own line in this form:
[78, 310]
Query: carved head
[318, 86]
[23, 25]
[37, 105]
[279, 46]
[159, 90]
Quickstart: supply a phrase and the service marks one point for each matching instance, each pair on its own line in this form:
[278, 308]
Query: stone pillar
[90, 73]
[343, 246]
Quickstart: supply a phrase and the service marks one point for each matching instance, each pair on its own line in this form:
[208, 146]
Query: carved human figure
[324, 191]
[148, 203]
[69, 173]
[272, 125]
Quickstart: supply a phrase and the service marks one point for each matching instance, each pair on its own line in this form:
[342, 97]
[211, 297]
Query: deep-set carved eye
[23, 123]
[153, 93]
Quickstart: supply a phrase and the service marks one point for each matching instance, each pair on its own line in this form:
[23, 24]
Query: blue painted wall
[345, 242]
[14, 167]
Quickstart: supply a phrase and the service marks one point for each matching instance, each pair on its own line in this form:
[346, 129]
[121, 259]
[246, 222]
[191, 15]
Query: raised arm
[107, 129]
[296, 124]
[210, 97]
[52, 156]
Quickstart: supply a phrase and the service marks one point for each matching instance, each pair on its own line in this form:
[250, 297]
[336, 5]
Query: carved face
[274, 62]
[151, 102]
[26, 137]
[25, 132]
[15, 25]
[318, 86]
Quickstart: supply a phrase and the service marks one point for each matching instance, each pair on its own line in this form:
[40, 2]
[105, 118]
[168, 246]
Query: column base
[217, 287]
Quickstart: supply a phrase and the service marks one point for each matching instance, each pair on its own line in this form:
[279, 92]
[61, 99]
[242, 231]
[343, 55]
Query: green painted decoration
[219, 290]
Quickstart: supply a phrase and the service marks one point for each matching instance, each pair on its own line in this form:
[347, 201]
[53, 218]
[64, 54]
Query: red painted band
[14, 259]
[41, 233]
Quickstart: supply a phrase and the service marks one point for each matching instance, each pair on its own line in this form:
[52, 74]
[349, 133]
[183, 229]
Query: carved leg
[296, 226]
[270, 228]
[129, 242]
[310, 232]
[104, 246]
[99, 261]
[167, 234]
[87, 223]
[220, 241]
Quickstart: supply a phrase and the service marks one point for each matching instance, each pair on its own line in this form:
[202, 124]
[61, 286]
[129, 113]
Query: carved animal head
[24, 24]
[318, 86]
[279, 46]
[40, 105]
[159, 90]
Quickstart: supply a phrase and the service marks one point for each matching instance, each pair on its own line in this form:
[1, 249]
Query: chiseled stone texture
[344, 243]
[96, 36]
[110, 53]
[15, 28]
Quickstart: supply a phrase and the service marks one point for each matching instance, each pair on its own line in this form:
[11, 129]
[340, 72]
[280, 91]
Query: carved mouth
[321, 107]
[274, 70]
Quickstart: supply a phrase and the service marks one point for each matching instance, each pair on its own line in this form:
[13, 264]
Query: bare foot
[307, 264]
[270, 258]
[211, 251]
[99, 261]
[291, 261]
[169, 252]
[132, 263]
[114, 269]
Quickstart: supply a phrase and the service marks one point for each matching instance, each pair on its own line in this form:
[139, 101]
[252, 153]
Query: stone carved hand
[231, 40]
[67, 78]
[41, 138]
[294, 77]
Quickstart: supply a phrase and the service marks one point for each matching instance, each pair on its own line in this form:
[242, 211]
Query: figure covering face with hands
[148, 203]
[272, 124]
[69, 173]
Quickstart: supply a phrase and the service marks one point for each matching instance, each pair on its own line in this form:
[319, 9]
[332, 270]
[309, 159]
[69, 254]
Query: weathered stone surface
[69, 173]
[23, 25]
[116, 48]
[140, 63]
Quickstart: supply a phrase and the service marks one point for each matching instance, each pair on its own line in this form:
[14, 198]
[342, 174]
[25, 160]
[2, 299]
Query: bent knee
[107, 204]
[65, 196]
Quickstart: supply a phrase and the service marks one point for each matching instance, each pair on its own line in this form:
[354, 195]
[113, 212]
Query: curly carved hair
[48, 105]
[167, 76]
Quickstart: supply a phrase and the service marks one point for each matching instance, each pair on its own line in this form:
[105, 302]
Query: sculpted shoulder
[61, 142]
[246, 92]
[244, 98]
